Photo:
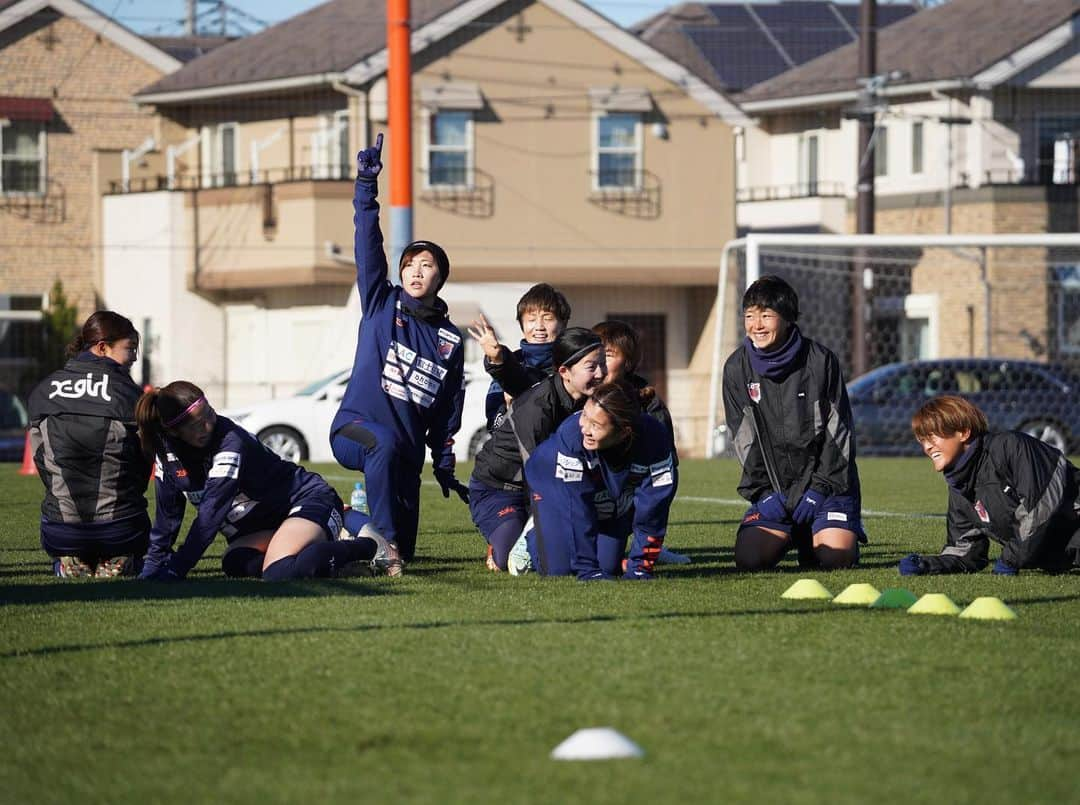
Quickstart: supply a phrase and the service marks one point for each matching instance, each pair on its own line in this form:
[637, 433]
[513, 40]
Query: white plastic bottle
[358, 501]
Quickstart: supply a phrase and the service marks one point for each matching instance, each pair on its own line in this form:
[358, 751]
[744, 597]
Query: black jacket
[85, 443]
[1019, 492]
[513, 375]
[656, 409]
[531, 419]
[803, 426]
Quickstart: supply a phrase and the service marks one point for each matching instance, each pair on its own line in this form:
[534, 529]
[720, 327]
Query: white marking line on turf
[867, 512]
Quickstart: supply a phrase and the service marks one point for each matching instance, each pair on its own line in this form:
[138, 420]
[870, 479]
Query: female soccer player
[280, 521]
[610, 448]
[787, 410]
[497, 497]
[622, 351]
[407, 385]
[85, 446]
[1006, 487]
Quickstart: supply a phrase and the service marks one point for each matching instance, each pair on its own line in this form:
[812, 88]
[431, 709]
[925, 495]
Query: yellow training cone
[860, 595]
[807, 589]
[934, 604]
[988, 608]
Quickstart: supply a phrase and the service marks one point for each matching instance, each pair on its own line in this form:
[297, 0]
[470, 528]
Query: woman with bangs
[1007, 487]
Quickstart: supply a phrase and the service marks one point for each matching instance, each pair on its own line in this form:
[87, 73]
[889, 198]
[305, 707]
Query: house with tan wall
[549, 145]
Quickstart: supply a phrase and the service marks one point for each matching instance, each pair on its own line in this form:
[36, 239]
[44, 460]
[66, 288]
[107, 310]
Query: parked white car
[297, 428]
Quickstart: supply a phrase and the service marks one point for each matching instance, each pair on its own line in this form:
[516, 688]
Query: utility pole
[864, 196]
[399, 97]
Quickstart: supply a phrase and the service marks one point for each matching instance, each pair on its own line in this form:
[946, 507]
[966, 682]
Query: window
[450, 148]
[1058, 135]
[617, 152]
[22, 157]
[917, 147]
[219, 155]
[881, 151]
[1067, 294]
[330, 158]
[808, 164]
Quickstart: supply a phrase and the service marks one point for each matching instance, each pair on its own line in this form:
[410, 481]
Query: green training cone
[895, 598]
[988, 608]
[807, 589]
[857, 595]
[934, 604]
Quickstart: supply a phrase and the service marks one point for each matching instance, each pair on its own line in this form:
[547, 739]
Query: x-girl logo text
[83, 387]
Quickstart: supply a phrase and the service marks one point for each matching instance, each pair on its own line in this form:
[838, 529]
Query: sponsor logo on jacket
[83, 387]
[755, 392]
[980, 510]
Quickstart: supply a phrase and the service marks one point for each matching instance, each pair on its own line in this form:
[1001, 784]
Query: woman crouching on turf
[612, 448]
[497, 496]
[1006, 487]
[280, 521]
[788, 412]
[86, 448]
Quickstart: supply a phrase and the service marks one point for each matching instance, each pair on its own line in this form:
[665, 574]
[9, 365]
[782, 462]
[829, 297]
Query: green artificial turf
[454, 685]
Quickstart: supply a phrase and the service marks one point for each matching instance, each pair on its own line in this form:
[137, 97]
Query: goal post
[1014, 296]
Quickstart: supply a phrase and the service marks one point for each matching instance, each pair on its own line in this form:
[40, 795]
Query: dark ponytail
[104, 325]
[160, 405]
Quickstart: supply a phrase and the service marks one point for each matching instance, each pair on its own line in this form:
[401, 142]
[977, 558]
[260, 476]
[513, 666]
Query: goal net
[992, 317]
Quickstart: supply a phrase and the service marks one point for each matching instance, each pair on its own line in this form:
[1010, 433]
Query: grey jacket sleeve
[966, 542]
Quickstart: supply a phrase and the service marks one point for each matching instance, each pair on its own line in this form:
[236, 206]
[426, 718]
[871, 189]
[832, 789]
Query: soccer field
[453, 684]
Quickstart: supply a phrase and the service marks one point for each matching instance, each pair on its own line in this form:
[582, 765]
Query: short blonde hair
[946, 415]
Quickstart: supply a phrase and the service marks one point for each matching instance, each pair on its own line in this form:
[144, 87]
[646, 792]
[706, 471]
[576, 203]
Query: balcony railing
[780, 192]
[195, 181]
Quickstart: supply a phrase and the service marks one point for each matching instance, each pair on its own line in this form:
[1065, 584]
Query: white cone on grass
[596, 743]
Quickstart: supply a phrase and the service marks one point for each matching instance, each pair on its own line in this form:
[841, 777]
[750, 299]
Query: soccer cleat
[387, 558]
[115, 566]
[519, 562]
[489, 560]
[670, 557]
[361, 568]
[72, 567]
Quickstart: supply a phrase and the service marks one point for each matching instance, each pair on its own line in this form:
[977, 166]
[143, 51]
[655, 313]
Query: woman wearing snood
[787, 410]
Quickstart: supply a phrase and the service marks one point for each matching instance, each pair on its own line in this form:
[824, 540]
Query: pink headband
[184, 413]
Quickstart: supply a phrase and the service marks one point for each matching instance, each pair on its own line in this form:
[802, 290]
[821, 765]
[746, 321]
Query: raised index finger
[378, 143]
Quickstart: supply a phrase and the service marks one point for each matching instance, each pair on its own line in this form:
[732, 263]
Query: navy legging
[392, 481]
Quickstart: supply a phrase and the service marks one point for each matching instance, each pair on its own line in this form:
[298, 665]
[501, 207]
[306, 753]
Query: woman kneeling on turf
[606, 474]
[280, 521]
[788, 412]
[1006, 487]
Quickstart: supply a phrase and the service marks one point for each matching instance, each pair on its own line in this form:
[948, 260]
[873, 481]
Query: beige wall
[57, 237]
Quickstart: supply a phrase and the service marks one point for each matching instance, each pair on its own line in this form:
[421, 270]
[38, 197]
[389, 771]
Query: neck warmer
[958, 476]
[429, 314]
[537, 356]
[86, 356]
[776, 365]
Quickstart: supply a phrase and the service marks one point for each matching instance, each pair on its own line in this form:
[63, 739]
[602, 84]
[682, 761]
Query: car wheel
[1046, 431]
[477, 441]
[286, 442]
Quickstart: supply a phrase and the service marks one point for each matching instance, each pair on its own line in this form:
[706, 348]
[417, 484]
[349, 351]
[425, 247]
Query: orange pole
[399, 97]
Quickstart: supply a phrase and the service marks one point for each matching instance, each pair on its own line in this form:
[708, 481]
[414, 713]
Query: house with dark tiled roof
[733, 46]
[976, 131]
[67, 74]
[549, 144]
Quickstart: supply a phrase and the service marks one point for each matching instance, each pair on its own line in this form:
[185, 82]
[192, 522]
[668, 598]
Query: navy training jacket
[643, 479]
[408, 373]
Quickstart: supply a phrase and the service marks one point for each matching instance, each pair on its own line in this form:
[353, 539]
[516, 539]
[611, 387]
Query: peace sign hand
[369, 161]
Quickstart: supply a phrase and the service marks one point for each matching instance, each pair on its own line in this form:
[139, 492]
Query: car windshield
[308, 390]
[865, 383]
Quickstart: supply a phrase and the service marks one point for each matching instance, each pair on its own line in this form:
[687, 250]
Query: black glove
[447, 482]
[911, 565]
[369, 161]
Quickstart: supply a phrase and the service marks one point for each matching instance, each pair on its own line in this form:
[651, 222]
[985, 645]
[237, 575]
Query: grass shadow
[46, 651]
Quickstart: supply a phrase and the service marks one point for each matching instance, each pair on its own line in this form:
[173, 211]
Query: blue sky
[163, 16]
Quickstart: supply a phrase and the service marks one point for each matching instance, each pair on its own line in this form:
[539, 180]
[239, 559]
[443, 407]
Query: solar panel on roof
[741, 57]
[805, 30]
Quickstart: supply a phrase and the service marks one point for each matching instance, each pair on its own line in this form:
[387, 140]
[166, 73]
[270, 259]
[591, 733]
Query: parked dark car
[1040, 399]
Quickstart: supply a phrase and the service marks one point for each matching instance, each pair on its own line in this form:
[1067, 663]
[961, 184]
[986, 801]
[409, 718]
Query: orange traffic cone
[28, 467]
